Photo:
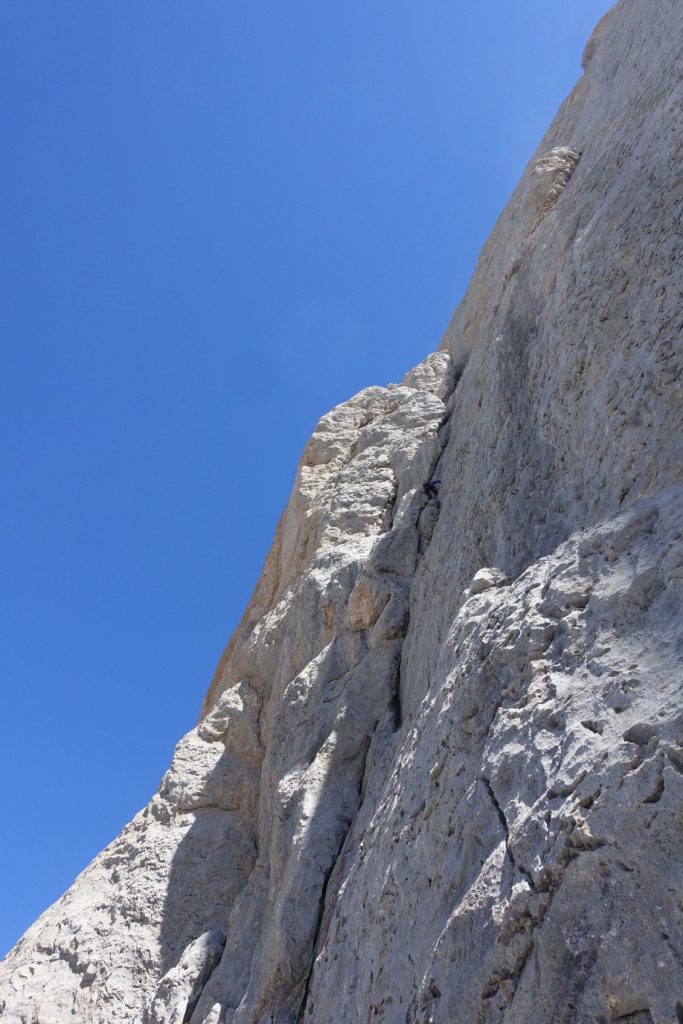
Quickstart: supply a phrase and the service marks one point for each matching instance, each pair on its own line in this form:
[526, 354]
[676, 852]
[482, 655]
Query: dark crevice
[325, 908]
[329, 893]
[196, 995]
[676, 955]
[390, 506]
[501, 817]
[657, 792]
[442, 435]
[303, 999]
[512, 975]
[395, 706]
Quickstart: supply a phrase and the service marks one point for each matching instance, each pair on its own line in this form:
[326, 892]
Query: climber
[431, 488]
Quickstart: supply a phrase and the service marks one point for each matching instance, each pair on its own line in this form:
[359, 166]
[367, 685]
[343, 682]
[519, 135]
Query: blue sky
[219, 219]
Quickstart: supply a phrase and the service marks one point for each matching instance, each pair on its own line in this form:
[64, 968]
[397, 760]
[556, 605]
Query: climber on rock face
[431, 488]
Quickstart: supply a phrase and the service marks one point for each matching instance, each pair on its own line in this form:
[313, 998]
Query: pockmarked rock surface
[438, 776]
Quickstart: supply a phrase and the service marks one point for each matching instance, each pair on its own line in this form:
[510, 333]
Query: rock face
[438, 776]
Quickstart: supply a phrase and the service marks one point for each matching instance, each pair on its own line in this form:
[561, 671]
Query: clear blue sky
[219, 219]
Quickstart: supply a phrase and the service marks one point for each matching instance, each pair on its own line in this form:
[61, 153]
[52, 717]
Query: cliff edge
[438, 776]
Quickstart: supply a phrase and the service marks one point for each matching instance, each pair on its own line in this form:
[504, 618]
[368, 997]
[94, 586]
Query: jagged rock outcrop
[438, 776]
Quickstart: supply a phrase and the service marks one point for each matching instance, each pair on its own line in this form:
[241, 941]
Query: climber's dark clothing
[431, 488]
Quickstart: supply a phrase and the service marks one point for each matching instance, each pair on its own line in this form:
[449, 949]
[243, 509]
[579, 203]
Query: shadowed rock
[438, 775]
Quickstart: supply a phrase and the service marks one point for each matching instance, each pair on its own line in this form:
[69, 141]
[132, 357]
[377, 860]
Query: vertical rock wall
[438, 774]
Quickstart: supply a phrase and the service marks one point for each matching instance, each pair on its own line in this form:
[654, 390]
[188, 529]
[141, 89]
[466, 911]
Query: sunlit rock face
[438, 774]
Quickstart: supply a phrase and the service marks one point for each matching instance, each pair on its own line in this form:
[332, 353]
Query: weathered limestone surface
[520, 858]
[438, 776]
[231, 856]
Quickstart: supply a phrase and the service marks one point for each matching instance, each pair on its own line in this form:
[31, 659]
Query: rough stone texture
[235, 848]
[520, 858]
[438, 775]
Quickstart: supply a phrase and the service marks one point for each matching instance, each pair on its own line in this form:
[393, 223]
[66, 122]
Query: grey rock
[423, 790]
[487, 578]
[180, 988]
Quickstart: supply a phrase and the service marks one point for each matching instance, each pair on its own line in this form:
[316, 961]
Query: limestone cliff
[438, 776]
